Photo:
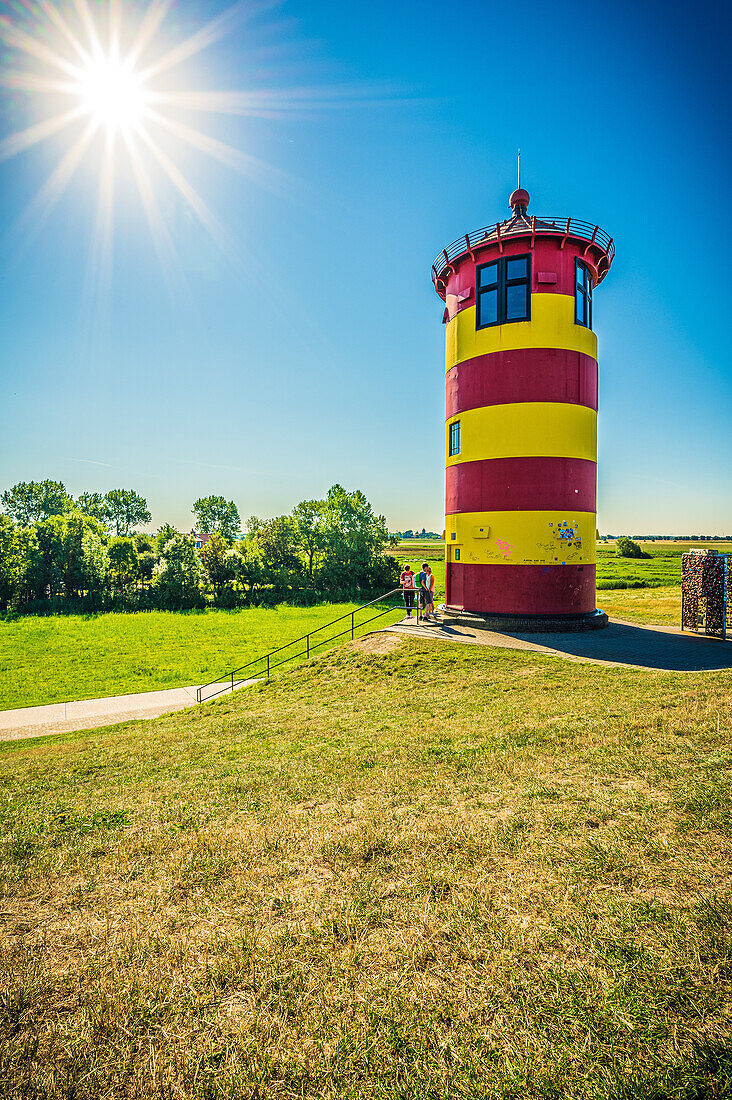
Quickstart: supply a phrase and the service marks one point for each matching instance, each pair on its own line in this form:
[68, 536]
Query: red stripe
[521, 484]
[553, 269]
[529, 374]
[521, 589]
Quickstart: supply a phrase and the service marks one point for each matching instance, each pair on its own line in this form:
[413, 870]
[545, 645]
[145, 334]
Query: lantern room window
[503, 291]
[454, 446]
[582, 295]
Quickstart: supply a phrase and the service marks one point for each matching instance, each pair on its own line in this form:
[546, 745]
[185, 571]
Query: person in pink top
[407, 582]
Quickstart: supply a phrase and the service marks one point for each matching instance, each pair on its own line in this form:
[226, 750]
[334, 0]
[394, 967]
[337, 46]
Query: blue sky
[306, 347]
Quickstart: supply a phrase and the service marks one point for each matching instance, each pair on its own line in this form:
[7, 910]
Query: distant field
[663, 567]
[49, 659]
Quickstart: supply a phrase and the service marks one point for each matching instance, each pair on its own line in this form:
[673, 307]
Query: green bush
[626, 548]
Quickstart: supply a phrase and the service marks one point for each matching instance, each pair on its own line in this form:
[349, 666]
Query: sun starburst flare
[114, 91]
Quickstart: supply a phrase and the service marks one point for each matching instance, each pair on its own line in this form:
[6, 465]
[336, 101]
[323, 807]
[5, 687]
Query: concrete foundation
[525, 624]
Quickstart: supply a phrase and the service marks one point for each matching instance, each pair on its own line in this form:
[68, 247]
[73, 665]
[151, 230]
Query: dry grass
[425, 872]
[660, 606]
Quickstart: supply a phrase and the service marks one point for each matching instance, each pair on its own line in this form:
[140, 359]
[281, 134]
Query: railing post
[232, 681]
[268, 667]
[307, 644]
[352, 634]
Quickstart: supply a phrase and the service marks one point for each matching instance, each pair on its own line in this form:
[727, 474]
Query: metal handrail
[228, 678]
[524, 227]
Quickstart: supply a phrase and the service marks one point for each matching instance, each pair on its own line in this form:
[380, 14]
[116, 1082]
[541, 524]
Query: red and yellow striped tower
[521, 429]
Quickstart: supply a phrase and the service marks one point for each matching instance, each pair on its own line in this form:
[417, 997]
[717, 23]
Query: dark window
[504, 291]
[517, 307]
[583, 295]
[488, 307]
[454, 447]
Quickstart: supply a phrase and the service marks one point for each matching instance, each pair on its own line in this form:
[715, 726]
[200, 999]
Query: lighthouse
[521, 419]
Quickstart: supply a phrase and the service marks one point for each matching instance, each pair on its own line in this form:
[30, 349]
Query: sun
[112, 94]
[113, 90]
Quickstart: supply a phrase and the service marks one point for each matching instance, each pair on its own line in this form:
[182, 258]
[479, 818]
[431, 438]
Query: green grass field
[404, 871]
[48, 659]
[59, 658]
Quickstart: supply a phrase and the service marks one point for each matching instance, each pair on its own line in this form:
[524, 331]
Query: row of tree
[59, 553]
[120, 511]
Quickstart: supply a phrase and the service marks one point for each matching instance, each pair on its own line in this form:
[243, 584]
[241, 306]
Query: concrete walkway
[90, 713]
[621, 643]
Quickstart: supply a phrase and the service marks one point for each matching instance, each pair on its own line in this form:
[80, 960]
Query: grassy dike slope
[405, 870]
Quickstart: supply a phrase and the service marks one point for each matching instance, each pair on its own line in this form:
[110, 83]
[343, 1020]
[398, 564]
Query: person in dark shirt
[423, 584]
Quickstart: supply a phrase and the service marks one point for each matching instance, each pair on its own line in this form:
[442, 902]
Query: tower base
[525, 624]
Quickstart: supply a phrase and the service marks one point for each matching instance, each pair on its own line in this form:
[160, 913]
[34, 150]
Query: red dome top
[519, 200]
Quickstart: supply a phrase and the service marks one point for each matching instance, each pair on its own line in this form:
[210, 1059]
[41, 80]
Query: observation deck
[596, 241]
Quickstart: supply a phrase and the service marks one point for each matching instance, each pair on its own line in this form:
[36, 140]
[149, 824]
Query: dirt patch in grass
[378, 642]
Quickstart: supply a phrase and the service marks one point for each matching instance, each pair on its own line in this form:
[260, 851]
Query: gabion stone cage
[705, 593]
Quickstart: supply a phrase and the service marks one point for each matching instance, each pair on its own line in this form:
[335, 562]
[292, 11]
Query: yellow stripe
[521, 538]
[551, 326]
[526, 428]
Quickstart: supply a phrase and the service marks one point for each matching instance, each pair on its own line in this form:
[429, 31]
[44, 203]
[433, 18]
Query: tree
[310, 533]
[126, 510]
[28, 502]
[94, 560]
[355, 539]
[246, 562]
[276, 543]
[95, 505]
[146, 562]
[123, 559]
[217, 560]
[17, 547]
[163, 535]
[216, 514]
[177, 575]
[71, 553]
[626, 548]
[147, 555]
[143, 542]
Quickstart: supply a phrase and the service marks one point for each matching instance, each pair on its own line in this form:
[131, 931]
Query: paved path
[89, 713]
[620, 643]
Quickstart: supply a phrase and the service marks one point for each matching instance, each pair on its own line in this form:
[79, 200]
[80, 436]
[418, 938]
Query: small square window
[454, 447]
